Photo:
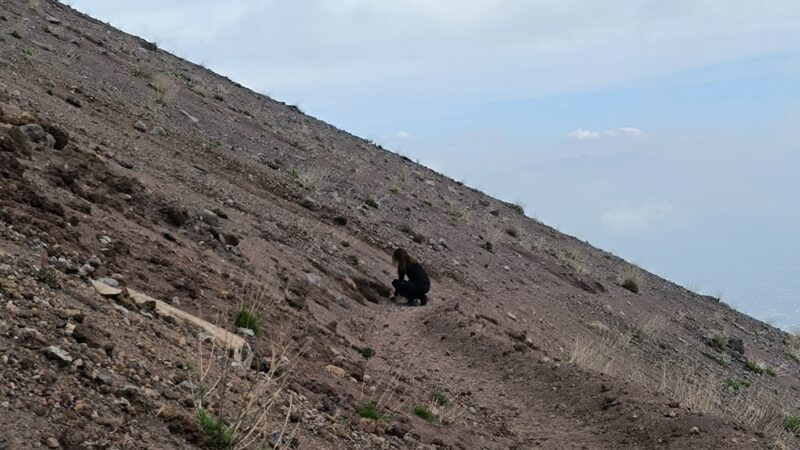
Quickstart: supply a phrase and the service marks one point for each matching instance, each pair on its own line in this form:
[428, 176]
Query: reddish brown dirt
[296, 204]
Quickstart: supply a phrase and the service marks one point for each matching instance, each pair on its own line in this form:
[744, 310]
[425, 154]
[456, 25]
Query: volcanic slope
[180, 192]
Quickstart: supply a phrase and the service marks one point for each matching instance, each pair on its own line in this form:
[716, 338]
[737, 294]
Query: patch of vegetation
[737, 385]
[220, 434]
[370, 411]
[754, 367]
[518, 208]
[511, 231]
[141, 72]
[294, 174]
[394, 190]
[792, 424]
[424, 413]
[367, 352]
[793, 357]
[29, 52]
[345, 244]
[47, 277]
[631, 285]
[488, 246]
[439, 399]
[200, 392]
[246, 319]
[371, 203]
[718, 358]
[771, 371]
[15, 34]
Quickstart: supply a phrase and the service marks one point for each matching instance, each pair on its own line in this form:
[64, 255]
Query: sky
[665, 132]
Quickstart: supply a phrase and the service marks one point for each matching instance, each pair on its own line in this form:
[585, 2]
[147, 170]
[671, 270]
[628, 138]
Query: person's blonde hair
[403, 259]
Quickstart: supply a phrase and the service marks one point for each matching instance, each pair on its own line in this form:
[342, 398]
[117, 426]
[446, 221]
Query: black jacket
[416, 274]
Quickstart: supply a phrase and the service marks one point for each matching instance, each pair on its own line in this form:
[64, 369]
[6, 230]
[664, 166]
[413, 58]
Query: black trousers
[411, 291]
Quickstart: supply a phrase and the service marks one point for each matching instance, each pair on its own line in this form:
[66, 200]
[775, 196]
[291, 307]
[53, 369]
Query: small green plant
[519, 209]
[345, 244]
[424, 413]
[370, 411]
[15, 34]
[367, 352]
[220, 434]
[294, 174]
[394, 190]
[718, 358]
[47, 277]
[371, 203]
[793, 357]
[737, 385]
[792, 424]
[246, 319]
[439, 399]
[29, 52]
[631, 285]
[754, 367]
[200, 392]
[511, 231]
[771, 371]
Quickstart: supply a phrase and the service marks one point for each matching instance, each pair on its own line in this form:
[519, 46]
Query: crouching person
[417, 286]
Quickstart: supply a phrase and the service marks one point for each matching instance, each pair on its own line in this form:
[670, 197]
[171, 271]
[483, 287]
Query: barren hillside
[125, 170]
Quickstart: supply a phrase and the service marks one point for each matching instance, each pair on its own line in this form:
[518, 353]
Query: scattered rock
[314, 279]
[336, 371]
[140, 126]
[190, 117]
[247, 332]
[59, 355]
[339, 220]
[73, 101]
[158, 131]
[52, 442]
[511, 316]
[310, 204]
[86, 270]
[209, 217]
[694, 430]
[104, 289]
[53, 20]
[94, 261]
[736, 344]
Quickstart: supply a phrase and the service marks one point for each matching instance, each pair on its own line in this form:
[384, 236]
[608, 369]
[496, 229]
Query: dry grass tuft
[699, 392]
[600, 353]
[166, 88]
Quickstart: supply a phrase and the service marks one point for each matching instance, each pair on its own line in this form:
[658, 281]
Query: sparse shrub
[488, 246]
[394, 190]
[598, 354]
[424, 413]
[737, 385]
[700, 392]
[518, 208]
[371, 203]
[248, 320]
[47, 277]
[511, 231]
[718, 358]
[370, 411]
[755, 367]
[345, 244]
[367, 352]
[439, 399]
[792, 424]
[165, 86]
[631, 285]
[220, 434]
[771, 371]
[142, 72]
[15, 34]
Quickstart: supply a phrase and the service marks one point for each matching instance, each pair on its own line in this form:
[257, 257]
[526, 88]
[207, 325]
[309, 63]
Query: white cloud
[623, 132]
[624, 217]
[582, 135]
[402, 135]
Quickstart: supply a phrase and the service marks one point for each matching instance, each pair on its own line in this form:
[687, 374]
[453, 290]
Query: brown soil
[310, 214]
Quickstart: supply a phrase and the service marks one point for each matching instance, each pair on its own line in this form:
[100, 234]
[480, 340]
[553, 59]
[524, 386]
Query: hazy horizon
[665, 133]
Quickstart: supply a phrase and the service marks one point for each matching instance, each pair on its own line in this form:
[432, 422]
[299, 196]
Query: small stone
[190, 117]
[105, 240]
[247, 332]
[511, 316]
[34, 132]
[52, 442]
[544, 360]
[58, 355]
[670, 414]
[209, 217]
[336, 371]
[104, 289]
[94, 261]
[694, 430]
[506, 268]
[53, 20]
[314, 279]
[310, 204]
[86, 270]
[158, 131]
[140, 126]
